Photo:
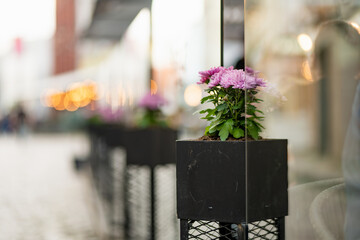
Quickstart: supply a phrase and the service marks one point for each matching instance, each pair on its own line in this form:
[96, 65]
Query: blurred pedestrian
[5, 126]
[21, 120]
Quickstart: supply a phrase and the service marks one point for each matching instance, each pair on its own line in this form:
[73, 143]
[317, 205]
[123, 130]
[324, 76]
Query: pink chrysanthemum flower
[233, 78]
[260, 82]
[217, 77]
[206, 75]
[250, 71]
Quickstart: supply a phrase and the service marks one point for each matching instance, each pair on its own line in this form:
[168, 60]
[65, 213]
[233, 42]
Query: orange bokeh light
[78, 95]
[68, 104]
[153, 87]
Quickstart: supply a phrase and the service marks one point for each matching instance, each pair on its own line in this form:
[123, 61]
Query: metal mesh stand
[208, 230]
[137, 202]
[266, 229]
[103, 172]
[118, 158]
[143, 222]
[167, 223]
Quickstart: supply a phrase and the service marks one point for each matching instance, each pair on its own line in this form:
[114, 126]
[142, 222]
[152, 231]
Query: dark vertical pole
[152, 170]
[184, 229]
[243, 231]
[281, 228]
[126, 202]
[243, 36]
[222, 32]
[152, 196]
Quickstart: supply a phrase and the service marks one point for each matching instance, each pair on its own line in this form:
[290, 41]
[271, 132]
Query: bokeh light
[305, 42]
[192, 95]
[79, 94]
[153, 87]
[356, 26]
[306, 71]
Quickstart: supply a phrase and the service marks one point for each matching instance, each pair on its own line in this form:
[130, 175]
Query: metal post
[226, 232]
[243, 231]
[153, 201]
[126, 203]
[222, 33]
[184, 229]
[281, 228]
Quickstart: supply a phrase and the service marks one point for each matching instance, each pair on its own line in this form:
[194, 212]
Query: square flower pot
[152, 146]
[216, 183]
[111, 134]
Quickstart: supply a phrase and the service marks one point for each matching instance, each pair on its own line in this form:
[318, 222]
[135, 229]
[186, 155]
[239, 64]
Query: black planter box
[151, 146]
[213, 184]
[109, 133]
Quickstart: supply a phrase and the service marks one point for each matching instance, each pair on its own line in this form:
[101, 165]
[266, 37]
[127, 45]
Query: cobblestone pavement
[42, 197]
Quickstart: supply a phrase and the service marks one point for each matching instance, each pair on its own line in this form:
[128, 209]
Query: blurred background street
[41, 194]
[74, 75]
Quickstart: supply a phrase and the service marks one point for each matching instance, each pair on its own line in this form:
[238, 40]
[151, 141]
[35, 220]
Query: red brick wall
[64, 40]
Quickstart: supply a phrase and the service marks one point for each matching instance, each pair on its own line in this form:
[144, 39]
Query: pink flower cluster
[110, 115]
[230, 77]
[152, 101]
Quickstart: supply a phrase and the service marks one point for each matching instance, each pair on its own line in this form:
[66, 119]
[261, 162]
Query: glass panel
[185, 41]
[309, 54]
[234, 33]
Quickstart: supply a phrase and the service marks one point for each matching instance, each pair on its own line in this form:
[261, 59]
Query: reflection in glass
[314, 63]
[337, 55]
[233, 33]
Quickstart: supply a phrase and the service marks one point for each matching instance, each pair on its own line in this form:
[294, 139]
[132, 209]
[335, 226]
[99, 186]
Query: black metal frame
[212, 230]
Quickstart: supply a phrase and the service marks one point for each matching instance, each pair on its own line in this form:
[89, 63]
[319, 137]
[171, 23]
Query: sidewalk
[41, 195]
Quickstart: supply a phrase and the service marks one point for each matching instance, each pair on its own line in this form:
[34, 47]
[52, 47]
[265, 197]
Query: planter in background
[216, 183]
[146, 150]
[150, 146]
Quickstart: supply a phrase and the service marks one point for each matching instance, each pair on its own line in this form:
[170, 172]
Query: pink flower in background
[110, 115]
[152, 101]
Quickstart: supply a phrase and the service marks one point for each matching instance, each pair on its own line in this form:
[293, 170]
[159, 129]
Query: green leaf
[221, 107]
[238, 133]
[204, 99]
[251, 107]
[259, 111]
[253, 131]
[212, 129]
[229, 125]
[202, 111]
[222, 94]
[259, 125]
[214, 125]
[224, 133]
[218, 116]
[207, 130]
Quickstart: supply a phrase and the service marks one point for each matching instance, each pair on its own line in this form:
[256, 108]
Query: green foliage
[151, 118]
[233, 114]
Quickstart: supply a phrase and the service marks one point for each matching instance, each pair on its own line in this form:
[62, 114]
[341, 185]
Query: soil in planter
[217, 138]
